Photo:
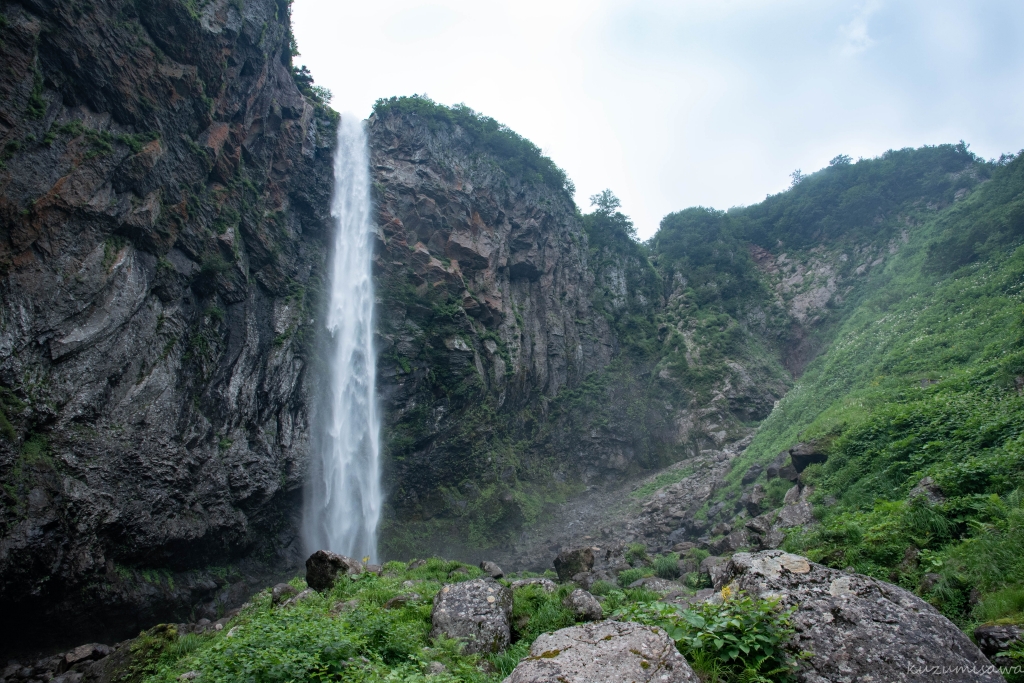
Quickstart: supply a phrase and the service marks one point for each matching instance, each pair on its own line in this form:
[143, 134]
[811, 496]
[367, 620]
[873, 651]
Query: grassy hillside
[925, 379]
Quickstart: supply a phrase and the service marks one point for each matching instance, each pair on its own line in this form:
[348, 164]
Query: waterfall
[343, 500]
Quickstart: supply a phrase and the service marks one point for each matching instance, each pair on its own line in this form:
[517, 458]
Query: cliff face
[163, 224]
[485, 315]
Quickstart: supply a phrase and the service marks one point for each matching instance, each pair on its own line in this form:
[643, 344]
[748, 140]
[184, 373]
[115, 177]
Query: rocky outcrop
[856, 627]
[163, 213]
[477, 612]
[604, 651]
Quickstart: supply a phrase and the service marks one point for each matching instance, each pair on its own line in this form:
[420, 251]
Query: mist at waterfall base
[343, 497]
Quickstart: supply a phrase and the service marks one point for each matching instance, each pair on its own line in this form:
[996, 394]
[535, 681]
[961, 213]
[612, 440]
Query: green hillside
[924, 379]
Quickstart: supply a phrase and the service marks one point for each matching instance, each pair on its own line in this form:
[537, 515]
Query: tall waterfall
[343, 501]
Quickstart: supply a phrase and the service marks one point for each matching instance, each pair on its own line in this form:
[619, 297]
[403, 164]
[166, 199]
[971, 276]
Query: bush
[743, 638]
[667, 566]
[629, 576]
[636, 554]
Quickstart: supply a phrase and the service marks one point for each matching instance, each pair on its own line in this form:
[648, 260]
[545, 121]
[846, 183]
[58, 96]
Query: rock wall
[163, 202]
[485, 313]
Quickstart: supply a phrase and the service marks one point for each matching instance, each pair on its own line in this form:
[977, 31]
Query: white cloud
[675, 103]
[855, 38]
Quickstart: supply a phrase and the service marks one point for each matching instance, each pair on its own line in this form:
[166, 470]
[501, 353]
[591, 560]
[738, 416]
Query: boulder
[782, 468]
[858, 628]
[753, 499]
[584, 580]
[569, 563]
[751, 475]
[547, 584]
[476, 612]
[604, 651]
[491, 569]
[929, 490]
[401, 600]
[659, 585]
[809, 453]
[323, 567]
[716, 568]
[583, 605]
[996, 638]
[797, 510]
[282, 591]
[83, 653]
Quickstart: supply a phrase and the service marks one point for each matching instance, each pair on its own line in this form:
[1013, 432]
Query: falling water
[344, 498]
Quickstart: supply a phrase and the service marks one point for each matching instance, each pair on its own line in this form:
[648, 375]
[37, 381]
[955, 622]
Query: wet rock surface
[604, 651]
[476, 612]
[859, 628]
[152, 314]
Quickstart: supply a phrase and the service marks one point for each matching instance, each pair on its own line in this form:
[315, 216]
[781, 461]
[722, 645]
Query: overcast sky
[675, 104]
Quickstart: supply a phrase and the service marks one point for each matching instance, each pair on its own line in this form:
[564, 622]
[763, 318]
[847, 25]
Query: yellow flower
[726, 593]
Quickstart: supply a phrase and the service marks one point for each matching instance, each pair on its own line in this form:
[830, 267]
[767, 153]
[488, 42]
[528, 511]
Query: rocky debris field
[458, 621]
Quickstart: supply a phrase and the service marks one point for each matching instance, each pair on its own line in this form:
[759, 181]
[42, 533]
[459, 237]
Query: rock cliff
[162, 231]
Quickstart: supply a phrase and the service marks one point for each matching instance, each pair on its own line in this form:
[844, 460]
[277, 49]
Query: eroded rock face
[484, 283]
[604, 651]
[163, 219]
[859, 628]
[476, 612]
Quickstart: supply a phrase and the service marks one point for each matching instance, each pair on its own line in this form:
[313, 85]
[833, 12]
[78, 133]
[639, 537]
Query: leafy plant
[741, 638]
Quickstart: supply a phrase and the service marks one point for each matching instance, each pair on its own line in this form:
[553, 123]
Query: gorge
[208, 277]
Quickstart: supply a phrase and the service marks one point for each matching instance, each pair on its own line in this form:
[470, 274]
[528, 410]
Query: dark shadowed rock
[605, 651]
[584, 606]
[492, 570]
[751, 475]
[804, 454]
[859, 628]
[476, 612]
[323, 567]
[782, 468]
[569, 563]
[996, 638]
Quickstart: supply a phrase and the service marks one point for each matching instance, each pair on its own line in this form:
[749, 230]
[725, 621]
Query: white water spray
[344, 498]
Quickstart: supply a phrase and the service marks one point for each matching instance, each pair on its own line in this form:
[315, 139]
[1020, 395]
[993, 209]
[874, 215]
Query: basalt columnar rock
[477, 612]
[164, 200]
[857, 627]
[604, 651]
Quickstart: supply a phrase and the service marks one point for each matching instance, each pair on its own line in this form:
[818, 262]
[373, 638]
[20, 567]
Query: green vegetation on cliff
[516, 155]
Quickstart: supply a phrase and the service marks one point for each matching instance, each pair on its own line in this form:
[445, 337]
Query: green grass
[662, 480]
[316, 640]
[958, 323]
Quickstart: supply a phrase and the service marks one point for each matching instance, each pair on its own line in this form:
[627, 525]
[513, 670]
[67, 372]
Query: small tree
[840, 160]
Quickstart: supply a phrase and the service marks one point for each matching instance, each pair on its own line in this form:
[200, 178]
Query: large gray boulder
[858, 628]
[604, 652]
[476, 612]
[323, 567]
